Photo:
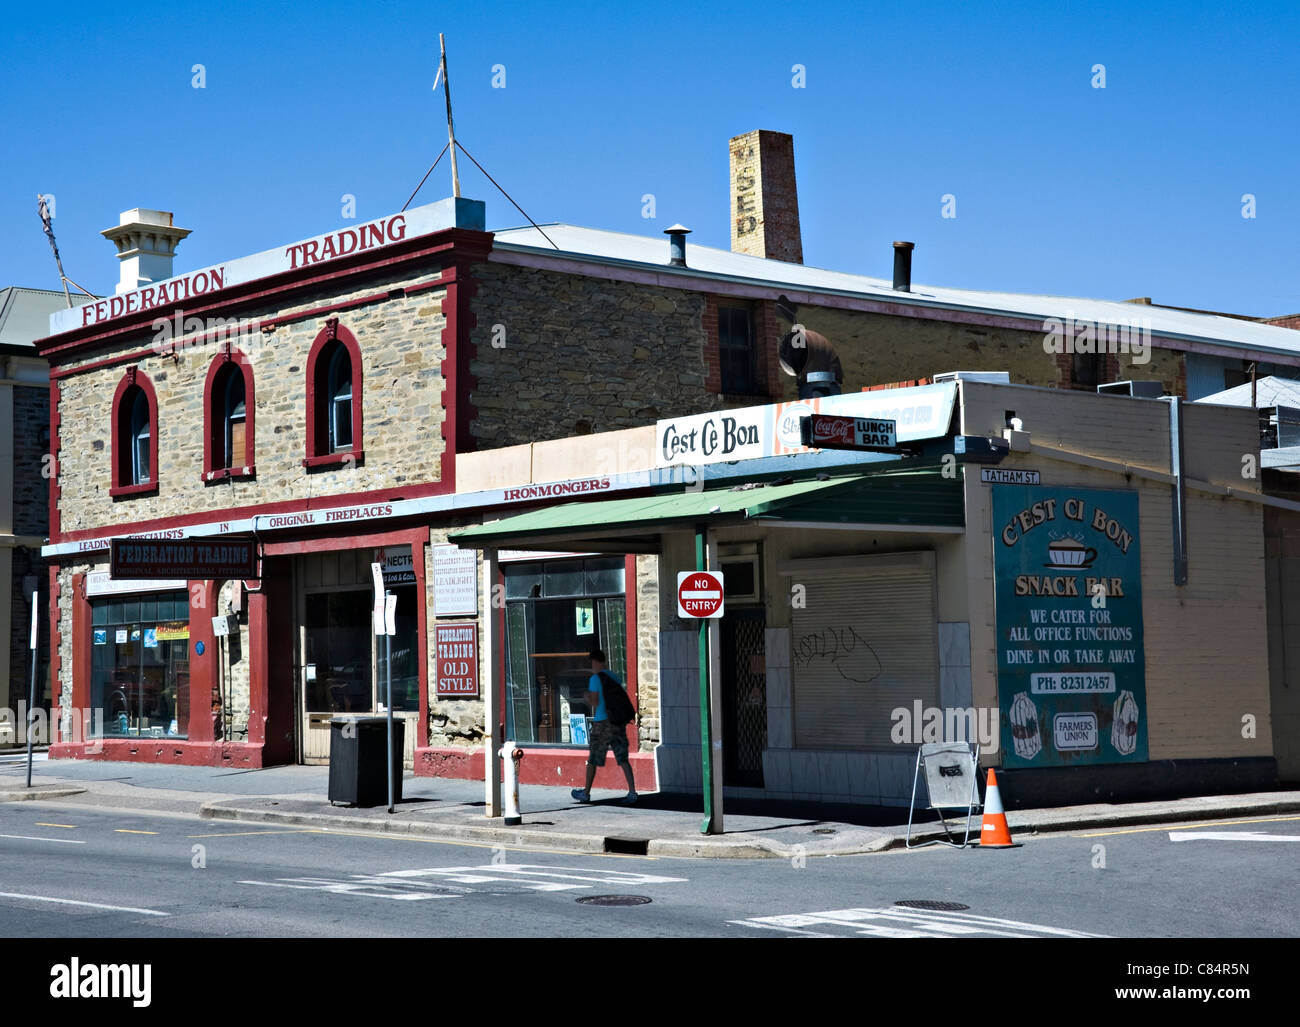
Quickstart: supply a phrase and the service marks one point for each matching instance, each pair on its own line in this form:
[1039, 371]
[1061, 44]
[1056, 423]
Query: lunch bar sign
[199, 285]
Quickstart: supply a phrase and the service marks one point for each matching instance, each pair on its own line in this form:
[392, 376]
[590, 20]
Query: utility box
[358, 757]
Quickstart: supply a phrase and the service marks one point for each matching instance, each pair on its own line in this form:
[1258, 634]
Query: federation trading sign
[700, 594]
[187, 558]
[829, 431]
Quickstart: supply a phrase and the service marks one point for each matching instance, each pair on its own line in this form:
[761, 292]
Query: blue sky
[1130, 190]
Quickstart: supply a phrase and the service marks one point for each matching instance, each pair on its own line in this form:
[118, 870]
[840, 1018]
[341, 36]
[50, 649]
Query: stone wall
[576, 355]
[647, 647]
[401, 351]
[31, 443]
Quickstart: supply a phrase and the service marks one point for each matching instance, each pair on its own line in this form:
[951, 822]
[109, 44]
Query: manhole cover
[823, 830]
[946, 907]
[614, 900]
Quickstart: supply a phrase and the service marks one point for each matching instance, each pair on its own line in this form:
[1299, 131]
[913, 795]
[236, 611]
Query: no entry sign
[699, 594]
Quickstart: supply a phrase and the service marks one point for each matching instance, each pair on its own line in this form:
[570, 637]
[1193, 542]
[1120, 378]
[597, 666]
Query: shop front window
[346, 662]
[140, 666]
[557, 611]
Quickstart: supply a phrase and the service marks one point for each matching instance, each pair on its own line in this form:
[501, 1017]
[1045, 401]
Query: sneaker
[628, 800]
[581, 795]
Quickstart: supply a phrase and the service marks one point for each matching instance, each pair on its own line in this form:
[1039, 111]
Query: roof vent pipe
[903, 266]
[677, 245]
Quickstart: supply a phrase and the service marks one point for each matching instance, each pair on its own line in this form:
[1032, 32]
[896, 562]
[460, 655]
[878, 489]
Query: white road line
[78, 902]
[33, 838]
[1231, 836]
[900, 922]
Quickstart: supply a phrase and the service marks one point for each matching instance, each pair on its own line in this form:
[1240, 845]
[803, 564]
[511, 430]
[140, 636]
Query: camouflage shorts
[605, 735]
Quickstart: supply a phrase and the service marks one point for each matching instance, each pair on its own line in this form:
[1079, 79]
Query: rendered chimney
[146, 243]
[764, 198]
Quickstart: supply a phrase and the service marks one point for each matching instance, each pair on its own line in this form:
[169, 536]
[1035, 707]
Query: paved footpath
[658, 825]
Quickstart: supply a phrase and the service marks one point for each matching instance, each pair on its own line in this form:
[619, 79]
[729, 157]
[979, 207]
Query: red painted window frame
[316, 456]
[120, 488]
[214, 438]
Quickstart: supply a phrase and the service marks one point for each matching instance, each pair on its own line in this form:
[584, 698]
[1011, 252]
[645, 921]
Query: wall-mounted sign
[101, 583]
[455, 581]
[398, 565]
[1008, 476]
[748, 433]
[456, 662]
[183, 558]
[834, 431]
[200, 285]
[1068, 590]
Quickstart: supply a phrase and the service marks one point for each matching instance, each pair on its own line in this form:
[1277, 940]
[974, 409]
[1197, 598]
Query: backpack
[618, 707]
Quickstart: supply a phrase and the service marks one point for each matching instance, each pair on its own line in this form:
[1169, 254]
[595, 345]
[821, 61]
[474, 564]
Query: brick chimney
[146, 243]
[764, 199]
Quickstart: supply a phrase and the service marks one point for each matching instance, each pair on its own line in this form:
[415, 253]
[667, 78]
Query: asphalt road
[69, 871]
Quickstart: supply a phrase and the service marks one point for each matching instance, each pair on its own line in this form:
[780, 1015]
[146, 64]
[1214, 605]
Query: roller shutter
[863, 644]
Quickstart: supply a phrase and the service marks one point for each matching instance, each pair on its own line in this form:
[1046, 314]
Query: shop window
[140, 669]
[333, 399]
[228, 409]
[346, 663]
[135, 436]
[557, 611]
[737, 359]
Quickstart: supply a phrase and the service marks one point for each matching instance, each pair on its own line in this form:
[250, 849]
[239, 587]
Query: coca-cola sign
[827, 431]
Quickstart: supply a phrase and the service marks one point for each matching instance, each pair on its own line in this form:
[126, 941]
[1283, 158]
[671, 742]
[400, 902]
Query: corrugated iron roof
[1271, 391]
[652, 252]
[25, 314]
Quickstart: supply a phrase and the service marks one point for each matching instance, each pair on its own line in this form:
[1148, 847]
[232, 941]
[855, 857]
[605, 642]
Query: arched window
[228, 405]
[139, 432]
[333, 399]
[340, 398]
[135, 435]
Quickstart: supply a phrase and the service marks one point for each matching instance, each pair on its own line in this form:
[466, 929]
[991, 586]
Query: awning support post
[706, 549]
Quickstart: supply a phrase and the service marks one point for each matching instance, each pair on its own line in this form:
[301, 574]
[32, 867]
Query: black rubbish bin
[358, 749]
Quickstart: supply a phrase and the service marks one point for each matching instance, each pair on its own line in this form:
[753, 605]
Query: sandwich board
[951, 782]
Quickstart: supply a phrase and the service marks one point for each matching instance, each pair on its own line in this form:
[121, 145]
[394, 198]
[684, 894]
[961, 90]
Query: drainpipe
[1180, 489]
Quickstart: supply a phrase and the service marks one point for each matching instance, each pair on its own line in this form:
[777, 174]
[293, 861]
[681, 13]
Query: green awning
[921, 499]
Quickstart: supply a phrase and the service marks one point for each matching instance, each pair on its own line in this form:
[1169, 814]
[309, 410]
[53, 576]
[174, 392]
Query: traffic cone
[994, 834]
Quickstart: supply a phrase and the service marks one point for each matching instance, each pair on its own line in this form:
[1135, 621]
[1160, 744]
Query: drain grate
[823, 830]
[614, 900]
[944, 907]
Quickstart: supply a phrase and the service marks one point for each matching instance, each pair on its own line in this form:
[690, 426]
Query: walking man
[613, 711]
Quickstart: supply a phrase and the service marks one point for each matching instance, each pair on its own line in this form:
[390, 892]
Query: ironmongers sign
[1068, 588]
[188, 558]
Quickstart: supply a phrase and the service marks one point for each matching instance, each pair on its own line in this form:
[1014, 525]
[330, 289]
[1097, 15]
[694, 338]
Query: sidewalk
[657, 826]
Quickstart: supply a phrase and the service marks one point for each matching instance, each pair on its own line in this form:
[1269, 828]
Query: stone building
[356, 397]
[24, 491]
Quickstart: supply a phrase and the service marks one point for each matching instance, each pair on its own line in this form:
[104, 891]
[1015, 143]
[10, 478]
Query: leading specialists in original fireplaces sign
[1071, 673]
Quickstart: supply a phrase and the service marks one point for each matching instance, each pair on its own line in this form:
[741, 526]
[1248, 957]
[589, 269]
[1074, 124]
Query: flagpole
[451, 133]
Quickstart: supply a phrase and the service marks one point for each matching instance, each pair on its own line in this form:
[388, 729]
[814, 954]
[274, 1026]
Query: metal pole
[451, 133]
[715, 693]
[706, 727]
[388, 673]
[31, 691]
[493, 713]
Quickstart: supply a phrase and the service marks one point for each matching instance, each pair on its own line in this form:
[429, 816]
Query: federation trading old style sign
[700, 594]
[187, 558]
[1071, 670]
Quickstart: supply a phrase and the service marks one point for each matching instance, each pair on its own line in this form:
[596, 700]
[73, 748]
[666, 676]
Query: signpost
[385, 608]
[31, 691]
[701, 596]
